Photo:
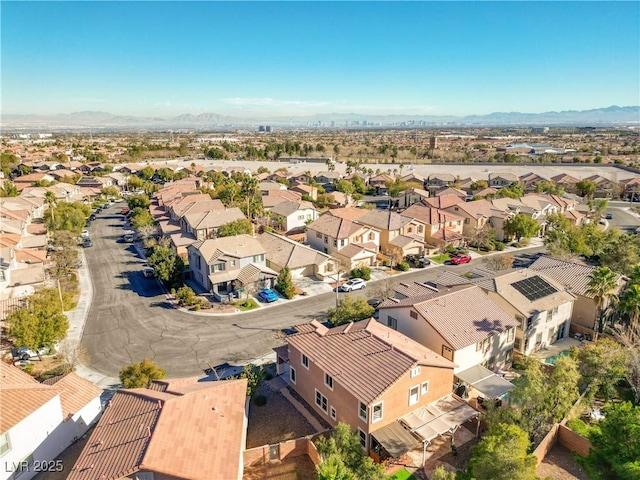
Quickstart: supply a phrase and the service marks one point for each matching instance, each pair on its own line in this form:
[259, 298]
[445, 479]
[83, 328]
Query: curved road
[130, 318]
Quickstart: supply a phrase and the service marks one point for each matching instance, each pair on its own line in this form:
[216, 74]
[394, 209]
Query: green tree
[620, 252]
[110, 192]
[441, 474]
[146, 173]
[167, 266]
[140, 375]
[521, 226]
[140, 218]
[479, 185]
[616, 443]
[237, 227]
[134, 182]
[51, 201]
[586, 188]
[549, 187]
[601, 286]
[215, 153]
[255, 375]
[41, 323]
[344, 451]
[67, 216]
[138, 201]
[186, 297]
[630, 304]
[333, 468]
[502, 455]
[350, 309]
[602, 365]
[284, 283]
[9, 189]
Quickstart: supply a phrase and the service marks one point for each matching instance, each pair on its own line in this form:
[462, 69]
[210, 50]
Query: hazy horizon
[245, 59]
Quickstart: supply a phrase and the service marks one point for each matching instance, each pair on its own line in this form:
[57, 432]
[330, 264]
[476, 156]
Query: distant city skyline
[247, 59]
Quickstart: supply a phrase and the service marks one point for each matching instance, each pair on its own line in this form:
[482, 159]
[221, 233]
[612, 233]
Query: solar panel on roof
[534, 288]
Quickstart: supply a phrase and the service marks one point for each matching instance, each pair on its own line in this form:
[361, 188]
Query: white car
[353, 284]
[85, 233]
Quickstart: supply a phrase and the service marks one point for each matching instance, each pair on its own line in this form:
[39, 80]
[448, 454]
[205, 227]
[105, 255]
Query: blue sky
[286, 58]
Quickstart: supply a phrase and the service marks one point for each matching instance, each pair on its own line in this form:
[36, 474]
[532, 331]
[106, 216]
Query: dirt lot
[560, 465]
[274, 422]
[298, 468]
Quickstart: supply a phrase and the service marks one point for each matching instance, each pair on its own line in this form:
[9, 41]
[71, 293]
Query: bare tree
[499, 262]
[73, 353]
[384, 289]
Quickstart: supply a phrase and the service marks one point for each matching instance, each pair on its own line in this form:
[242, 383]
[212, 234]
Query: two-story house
[327, 178]
[225, 265]
[410, 196]
[438, 180]
[566, 181]
[442, 228]
[531, 180]
[575, 277]
[542, 307]
[368, 376]
[461, 323]
[499, 180]
[292, 217]
[351, 243]
[477, 215]
[205, 225]
[40, 420]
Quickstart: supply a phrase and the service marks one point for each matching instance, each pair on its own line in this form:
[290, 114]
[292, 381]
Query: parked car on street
[609, 216]
[267, 295]
[85, 234]
[353, 284]
[128, 238]
[86, 242]
[147, 272]
[460, 259]
[124, 211]
[23, 353]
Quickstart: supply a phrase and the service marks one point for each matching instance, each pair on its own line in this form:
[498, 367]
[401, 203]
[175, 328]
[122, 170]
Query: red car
[124, 211]
[460, 259]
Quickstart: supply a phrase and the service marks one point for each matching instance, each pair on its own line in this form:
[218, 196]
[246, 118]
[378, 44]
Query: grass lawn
[402, 475]
[443, 257]
[245, 305]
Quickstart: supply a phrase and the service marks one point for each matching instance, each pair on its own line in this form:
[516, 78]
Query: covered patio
[487, 383]
[422, 426]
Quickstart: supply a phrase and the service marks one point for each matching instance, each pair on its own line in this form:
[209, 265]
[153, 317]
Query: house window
[2, 277]
[5, 446]
[326, 239]
[415, 371]
[292, 374]
[335, 242]
[491, 363]
[342, 242]
[318, 235]
[392, 323]
[333, 413]
[372, 236]
[322, 402]
[363, 438]
[233, 263]
[510, 334]
[413, 314]
[362, 411]
[529, 322]
[414, 395]
[258, 258]
[424, 388]
[199, 262]
[409, 230]
[218, 267]
[420, 229]
[300, 217]
[305, 361]
[376, 412]
[478, 346]
[328, 380]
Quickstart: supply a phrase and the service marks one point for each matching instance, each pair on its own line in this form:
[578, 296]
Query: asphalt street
[130, 318]
[623, 219]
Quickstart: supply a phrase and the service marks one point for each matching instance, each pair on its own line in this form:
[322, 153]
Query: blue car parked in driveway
[267, 295]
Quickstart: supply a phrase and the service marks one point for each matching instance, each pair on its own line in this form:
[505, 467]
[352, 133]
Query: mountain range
[610, 116]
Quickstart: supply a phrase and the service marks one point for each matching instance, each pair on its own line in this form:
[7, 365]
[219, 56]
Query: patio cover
[439, 417]
[396, 439]
[485, 381]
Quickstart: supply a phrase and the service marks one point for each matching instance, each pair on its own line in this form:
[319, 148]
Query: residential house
[477, 215]
[438, 180]
[567, 182]
[62, 174]
[327, 178]
[604, 186]
[365, 375]
[206, 224]
[267, 187]
[274, 197]
[410, 196]
[631, 188]
[531, 180]
[461, 323]
[95, 182]
[277, 176]
[25, 181]
[225, 265]
[292, 217]
[413, 177]
[175, 429]
[443, 201]
[499, 180]
[309, 190]
[485, 193]
[40, 420]
[118, 179]
[575, 277]
[442, 228]
[456, 192]
[302, 261]
[346, 240]
[300, 178]
[542, 307]
[379, 182]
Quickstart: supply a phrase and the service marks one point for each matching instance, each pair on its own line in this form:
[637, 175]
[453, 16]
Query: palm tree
[630, 304]
[51, 200]
[602, 283]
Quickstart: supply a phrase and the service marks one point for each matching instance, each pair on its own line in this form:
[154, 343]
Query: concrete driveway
[130, 318]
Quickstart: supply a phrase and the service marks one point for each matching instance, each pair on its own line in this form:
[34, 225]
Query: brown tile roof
[443, 201]
[429, 215]
[12, 376]
[277, 196]
[564, 178]
[462, 316]
[19, 402]
[366, 358]
[456, 192]
[195, 434]
[30, 255]
[239, 246]
[572, 276]
[76, 392]
[384, 220]
[287, 207]
[9, 239]
[284, 252]
[332, 226]
[213, 218]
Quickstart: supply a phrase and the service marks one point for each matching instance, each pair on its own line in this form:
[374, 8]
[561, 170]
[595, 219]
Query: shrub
[499, 246]
[451, 249]
[386, 263]
[403, 266]
[363, 272]
[284, 284]
[578, 426]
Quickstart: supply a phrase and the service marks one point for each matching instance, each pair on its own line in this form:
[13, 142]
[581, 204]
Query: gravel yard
[274, 422]
[560, 465]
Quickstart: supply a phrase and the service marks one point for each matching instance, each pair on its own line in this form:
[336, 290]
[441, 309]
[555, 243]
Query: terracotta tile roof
[9, 239]
[37, 229]
[366, 358]
[12, 376]
[429, 214]
[284, 252]
[332, 226]
[30, 255]
[564, 178]
[287, 207]
[456, 192]
[238, 246]
[485, 191]
[21, 401]
[572, 276]
[444, 200]
[274, 197]
[412, 290]
[76, 392]
[461, 316]
[213, 218]
[195, 434]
